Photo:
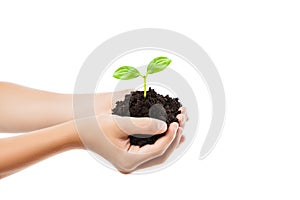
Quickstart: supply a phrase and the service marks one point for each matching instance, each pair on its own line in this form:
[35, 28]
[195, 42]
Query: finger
[142, 125]
[182, 109]
[166, 155]
[179, 137]
[181, 120]
[184, 112]
[149, 152]
[162, 144]
[175, 144]
[133, 149]
[182, 139]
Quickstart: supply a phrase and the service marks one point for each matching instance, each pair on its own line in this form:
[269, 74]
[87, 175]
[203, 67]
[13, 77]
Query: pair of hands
[107, 135]
[51, 128]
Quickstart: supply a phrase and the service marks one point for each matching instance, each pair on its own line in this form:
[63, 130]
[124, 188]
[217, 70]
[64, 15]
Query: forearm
[24, 109]
[21, 151]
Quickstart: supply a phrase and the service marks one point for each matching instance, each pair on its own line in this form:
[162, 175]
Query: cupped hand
[108, 136]
[179, 139]
[112, 142]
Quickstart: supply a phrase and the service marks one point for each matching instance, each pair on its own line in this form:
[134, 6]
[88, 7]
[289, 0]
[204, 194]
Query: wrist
[72, 139]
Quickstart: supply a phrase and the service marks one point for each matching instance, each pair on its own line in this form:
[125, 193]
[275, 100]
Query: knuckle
[125, 164]
[125, 172]
[182, 109]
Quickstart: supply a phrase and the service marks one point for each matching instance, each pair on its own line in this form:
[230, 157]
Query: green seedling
[156, 65]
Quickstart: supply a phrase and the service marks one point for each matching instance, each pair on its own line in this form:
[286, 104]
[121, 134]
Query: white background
[255, 46]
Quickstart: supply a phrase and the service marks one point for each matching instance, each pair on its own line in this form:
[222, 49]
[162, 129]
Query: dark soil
[154, 105]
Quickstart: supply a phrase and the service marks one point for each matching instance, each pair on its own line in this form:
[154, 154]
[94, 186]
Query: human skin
[49, 118]
[24, 109]
[21, 151]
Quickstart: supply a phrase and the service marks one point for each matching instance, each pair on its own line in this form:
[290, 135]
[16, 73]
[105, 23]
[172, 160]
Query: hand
[110, 139]
[107, 135]
[108, 101]
[56, 130]
[179, 139]
[105, 102]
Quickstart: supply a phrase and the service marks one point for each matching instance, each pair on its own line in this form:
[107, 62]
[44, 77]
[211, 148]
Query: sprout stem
[145, 86]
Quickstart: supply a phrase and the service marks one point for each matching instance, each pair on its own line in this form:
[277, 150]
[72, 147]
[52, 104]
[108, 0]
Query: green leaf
[126, 73]
[158, 64]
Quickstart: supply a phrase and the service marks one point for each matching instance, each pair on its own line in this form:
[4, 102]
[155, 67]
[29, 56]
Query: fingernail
[162, 126]
[177, 126]
[179, 117]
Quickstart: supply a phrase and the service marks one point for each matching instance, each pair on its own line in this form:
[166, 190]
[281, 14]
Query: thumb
[141, 125]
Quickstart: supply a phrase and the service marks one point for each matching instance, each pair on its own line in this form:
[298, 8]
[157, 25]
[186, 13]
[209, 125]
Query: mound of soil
[154, 105]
